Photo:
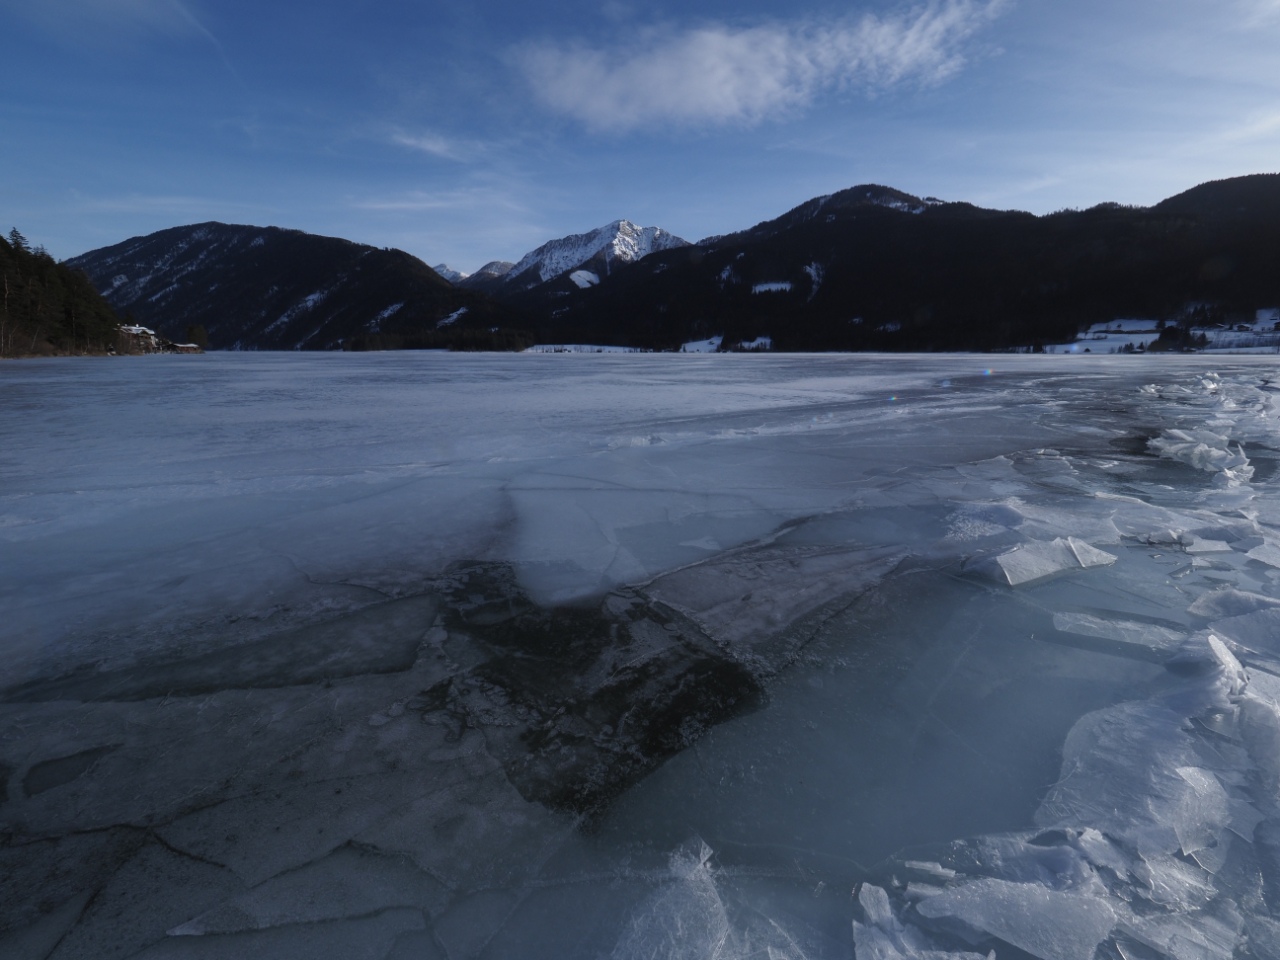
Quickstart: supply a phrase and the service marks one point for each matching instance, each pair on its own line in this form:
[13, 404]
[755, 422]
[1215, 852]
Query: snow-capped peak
[450, 274]
[620, 241]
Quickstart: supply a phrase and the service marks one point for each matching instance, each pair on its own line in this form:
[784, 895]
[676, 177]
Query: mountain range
[870, 267]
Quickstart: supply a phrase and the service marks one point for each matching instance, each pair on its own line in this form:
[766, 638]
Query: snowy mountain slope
[450, 274]
[618, 242]
[264, 288]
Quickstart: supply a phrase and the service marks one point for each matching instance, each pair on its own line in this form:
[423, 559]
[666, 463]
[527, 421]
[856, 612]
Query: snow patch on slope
[814, 270]
[452, 318]
[305, 305]
[376, 323]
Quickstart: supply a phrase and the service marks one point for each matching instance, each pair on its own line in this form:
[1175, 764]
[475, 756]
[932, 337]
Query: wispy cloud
[718, 73]
[435, 145]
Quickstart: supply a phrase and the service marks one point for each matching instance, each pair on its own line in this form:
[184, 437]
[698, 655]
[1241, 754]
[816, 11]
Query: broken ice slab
[1205, 450]
[1039, 560]
[1125, 636]
[1203, 935]
[931, 869]
[1258, 631]
[1049, 924]
[1198, 545]
[1085, 518]
[883, 937]
[1173, 882]
[1268, 553]
[1199, 816]
[1229, 602]
[1125, 631]
[1117, 776]
[744, 600]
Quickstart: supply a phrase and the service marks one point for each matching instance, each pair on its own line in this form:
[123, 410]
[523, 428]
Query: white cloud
[727, 74]
[437, 146]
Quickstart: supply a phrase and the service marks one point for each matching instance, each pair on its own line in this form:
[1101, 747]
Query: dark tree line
[48, 309]
[463, 339]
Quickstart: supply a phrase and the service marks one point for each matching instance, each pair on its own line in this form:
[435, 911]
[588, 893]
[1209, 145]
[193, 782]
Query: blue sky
[465, 132]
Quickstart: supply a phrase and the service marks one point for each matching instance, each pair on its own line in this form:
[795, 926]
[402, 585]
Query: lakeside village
[1259, 335]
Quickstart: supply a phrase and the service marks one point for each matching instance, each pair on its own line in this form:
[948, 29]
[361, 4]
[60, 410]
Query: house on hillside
[139, 339]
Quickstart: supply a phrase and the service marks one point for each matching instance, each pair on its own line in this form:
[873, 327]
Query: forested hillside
[47, 309]
[264, 288]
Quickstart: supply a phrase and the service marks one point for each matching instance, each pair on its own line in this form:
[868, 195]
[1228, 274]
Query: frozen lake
[417, 655]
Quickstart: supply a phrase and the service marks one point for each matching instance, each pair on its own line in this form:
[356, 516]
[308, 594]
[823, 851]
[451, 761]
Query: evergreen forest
[49, 309]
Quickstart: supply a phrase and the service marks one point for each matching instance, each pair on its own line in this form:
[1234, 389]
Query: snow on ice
[432, 655]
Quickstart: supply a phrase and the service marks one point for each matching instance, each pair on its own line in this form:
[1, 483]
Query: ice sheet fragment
[1199, 545]
[1147, 636]
[1268, 553]
[1039, 560]
[1198, 936]
[883, 937]
[1229, 602]
[1205, 450]
[930, 869]
[1049, 924]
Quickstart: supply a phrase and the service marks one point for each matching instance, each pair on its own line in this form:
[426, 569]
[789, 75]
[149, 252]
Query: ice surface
[424, 655]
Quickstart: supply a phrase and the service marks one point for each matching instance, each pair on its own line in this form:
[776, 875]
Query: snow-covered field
[432, 655]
